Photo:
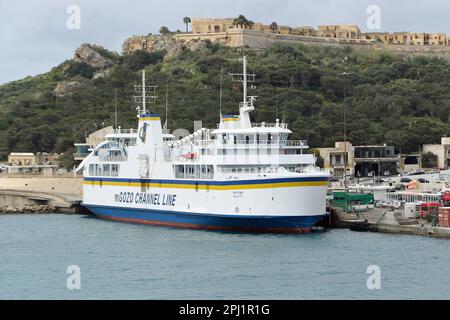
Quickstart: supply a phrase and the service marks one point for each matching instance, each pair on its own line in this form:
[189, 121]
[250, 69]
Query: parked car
[417, 172]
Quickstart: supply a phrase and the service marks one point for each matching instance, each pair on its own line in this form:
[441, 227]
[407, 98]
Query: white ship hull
[268, 205]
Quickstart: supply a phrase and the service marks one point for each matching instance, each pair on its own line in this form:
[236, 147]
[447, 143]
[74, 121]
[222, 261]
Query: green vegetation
[242, 22]
[390, 99]
[164, 30]
[429, 160]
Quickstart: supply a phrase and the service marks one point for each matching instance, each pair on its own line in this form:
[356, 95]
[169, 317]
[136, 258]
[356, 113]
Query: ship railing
[112, 158]
[125, 131]
[203, 143]
[295, 143]
[269, 125]
[255, 169]
[243, 143]
[314, 169]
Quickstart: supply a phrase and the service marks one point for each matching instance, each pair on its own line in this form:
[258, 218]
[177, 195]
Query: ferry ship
[240, 176]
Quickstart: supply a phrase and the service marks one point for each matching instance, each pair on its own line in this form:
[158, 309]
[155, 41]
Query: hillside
[390, 99]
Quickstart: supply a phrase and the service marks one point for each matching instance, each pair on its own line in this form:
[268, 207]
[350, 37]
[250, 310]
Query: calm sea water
[127, 261]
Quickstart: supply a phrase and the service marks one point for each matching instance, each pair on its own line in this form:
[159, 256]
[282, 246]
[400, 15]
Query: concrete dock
[388, 221]
[40, 194]
[23, 201]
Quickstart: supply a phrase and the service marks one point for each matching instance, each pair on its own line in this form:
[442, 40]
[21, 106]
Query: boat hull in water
[281, 205]
[257, 224]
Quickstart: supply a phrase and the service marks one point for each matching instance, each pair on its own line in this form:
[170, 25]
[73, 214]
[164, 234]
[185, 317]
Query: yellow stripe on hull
[150, 119]
[207, 187]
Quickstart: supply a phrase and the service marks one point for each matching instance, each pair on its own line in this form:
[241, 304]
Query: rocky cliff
[92, 55]
[170, 44]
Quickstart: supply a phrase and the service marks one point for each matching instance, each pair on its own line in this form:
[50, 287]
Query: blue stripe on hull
[279, 224]
[212, 183]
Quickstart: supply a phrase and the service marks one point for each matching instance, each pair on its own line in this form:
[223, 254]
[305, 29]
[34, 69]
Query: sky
[35, 37]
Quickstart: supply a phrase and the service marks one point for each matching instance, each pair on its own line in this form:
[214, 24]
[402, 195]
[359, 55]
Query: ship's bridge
[123, 137]
[255, 135]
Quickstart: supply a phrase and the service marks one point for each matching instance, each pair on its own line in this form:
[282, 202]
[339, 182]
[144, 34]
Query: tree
[320, 161]
[186, 21]
[139, 59]
[164, 30]
[66, 159]
[273, 27]
[429, 160]
[241, 21]
[80, 68]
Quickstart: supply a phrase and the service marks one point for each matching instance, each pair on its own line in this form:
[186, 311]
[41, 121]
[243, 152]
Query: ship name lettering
[152, 198]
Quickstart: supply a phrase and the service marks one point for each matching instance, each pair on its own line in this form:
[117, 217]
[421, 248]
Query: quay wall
[413, 230]
[60, 185]
[16, 201]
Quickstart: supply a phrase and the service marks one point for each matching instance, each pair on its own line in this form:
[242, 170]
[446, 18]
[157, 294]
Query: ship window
[114, 170]
[194, 172]
[92, 170]
[106, 169]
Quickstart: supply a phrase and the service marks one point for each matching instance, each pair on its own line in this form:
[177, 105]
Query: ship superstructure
[239, 176]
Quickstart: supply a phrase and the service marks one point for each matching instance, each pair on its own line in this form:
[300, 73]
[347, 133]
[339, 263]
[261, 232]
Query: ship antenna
[244, 78]
[276, 106]
[221, 91]
[143, 98]
[144, 109]
[167, 106]
[115, 108]
[244, 73]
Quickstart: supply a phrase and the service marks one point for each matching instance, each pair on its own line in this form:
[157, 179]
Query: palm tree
[186, 21]
[273, 27]
[250, 24]
[240, 21]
